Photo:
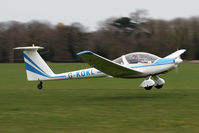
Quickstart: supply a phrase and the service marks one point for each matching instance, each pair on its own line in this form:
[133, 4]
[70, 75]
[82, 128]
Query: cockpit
[136, 58]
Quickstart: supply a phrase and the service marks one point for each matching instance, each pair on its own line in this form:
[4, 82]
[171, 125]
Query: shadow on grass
[141, 96]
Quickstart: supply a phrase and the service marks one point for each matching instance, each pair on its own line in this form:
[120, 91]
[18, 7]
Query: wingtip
[84, 52]
[184, 50]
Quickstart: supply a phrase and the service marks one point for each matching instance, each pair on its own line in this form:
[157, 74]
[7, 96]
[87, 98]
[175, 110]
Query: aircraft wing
[176, 54]
[107, 66]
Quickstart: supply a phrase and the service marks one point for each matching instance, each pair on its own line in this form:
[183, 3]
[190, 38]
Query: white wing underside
[176, 54]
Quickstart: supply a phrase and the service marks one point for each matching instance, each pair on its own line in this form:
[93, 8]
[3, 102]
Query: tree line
[114, 37]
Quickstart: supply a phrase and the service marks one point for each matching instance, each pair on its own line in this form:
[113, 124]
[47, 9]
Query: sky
[91, 12]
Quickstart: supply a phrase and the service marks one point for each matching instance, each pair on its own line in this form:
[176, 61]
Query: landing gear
[148, 83]
[148, 88]
[159, 86]
[40, 86]
[159, 82]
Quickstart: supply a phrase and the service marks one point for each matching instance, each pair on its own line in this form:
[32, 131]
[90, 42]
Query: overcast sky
[90, 12]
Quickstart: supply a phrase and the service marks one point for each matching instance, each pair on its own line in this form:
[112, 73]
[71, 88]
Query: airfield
[108, 105]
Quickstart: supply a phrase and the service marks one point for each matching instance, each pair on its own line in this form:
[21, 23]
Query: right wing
[176, 54]
[107, 66]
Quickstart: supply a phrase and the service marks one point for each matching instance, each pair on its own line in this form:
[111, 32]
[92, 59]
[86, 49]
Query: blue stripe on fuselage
[161, 61]
[165, 61]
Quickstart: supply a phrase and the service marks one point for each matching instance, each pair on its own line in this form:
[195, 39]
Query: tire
[159, 86]
[39, 86]
[148, 88]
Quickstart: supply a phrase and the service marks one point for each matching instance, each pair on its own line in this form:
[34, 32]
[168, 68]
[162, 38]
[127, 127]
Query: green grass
[101, 105]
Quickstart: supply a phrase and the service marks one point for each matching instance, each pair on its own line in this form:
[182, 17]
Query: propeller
[177, 60]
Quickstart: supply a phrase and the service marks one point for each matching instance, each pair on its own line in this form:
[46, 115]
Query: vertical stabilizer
[36, 67]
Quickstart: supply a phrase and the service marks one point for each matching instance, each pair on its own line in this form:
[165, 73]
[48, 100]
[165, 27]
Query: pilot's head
[134, 57]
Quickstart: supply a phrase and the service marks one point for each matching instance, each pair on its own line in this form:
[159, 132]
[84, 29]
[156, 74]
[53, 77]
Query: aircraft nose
[178, 60]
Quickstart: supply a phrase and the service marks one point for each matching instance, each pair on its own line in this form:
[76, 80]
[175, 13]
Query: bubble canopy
[138, 57]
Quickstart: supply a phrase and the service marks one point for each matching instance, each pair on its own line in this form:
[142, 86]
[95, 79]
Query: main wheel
[158, 86]
[148, 88]
[40, 86]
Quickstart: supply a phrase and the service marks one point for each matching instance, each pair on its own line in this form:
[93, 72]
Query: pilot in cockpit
[134, 59]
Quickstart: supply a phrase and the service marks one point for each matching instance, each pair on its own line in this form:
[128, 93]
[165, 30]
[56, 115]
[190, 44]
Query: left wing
[107, 66]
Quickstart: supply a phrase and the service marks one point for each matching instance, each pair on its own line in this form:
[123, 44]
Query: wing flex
[107, 66]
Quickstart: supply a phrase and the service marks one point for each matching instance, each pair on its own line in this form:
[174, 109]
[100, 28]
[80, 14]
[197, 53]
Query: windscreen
[141, 57]
[118, 60]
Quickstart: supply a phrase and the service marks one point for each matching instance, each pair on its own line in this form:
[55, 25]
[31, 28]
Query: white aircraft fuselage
[158, 67]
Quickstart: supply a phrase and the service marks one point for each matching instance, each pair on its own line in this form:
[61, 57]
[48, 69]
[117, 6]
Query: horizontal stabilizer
[107, 66]
[29, 48]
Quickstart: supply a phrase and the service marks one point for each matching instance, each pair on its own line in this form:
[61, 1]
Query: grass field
[102, 105]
